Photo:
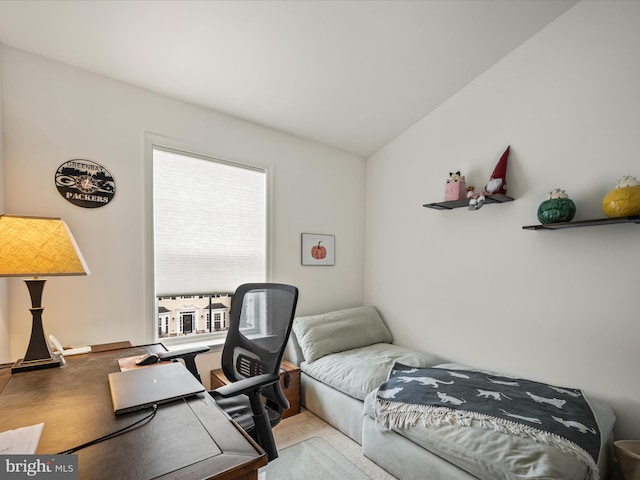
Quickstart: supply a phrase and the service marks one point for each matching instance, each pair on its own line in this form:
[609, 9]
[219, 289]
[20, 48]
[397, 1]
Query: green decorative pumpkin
[556, 210]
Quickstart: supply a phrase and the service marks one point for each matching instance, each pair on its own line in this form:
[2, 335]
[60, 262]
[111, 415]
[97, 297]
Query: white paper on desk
[21, 441]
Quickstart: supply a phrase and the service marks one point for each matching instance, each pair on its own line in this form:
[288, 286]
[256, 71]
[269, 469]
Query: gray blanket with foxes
[545, 413]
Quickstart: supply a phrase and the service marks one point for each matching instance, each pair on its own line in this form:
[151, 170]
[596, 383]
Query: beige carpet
[306, 425]
[311, 459]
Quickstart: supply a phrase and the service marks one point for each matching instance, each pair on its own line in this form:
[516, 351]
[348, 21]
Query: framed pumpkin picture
[318, 249]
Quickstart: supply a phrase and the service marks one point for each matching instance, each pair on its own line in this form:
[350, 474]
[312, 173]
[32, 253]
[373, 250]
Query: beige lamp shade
[38, 247]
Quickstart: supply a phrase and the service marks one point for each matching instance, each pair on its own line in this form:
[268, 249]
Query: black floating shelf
[450, 205]
[584, 223]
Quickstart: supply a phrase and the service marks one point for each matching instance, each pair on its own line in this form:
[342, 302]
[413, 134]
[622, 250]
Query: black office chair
[260, 323]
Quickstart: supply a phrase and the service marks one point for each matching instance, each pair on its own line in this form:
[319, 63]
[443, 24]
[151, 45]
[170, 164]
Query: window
[209, 237]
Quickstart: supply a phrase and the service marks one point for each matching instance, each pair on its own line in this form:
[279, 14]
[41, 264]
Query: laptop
[143, 387]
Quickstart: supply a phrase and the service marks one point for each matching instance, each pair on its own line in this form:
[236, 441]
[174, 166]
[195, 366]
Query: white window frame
[153, 141]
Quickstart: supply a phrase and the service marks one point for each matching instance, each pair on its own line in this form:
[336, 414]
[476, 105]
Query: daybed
[347, 357]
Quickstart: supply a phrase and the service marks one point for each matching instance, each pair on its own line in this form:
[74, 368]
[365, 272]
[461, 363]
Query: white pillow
[333, 332]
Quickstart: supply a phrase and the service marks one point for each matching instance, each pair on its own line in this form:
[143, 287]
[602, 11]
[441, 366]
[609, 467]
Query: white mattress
[361, 370]
[492, 455]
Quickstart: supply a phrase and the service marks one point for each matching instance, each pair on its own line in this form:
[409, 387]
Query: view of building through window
[184, 315]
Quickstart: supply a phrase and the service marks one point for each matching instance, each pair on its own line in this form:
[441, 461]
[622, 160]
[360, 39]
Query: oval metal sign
[85, 183]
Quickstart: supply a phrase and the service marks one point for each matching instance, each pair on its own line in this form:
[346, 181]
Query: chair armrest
[181, 353]
[188, 355]
[246, 385]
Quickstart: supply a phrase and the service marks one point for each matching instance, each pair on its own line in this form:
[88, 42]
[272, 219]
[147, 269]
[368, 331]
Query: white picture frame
[318, 249]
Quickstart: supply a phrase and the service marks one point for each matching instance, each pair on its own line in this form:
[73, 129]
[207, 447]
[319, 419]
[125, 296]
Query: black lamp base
[23, 365]
[39, 353]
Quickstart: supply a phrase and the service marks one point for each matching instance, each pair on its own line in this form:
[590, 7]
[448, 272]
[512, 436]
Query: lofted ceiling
[351, 75]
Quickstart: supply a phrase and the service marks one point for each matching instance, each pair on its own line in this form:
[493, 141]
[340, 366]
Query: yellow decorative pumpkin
[622, 202]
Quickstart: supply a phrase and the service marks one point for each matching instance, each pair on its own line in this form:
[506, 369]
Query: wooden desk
[187, 439]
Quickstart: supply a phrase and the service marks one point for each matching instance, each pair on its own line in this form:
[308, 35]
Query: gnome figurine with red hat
[497, 183]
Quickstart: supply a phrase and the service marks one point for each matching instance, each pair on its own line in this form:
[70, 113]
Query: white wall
[559, 306]
[54, 113]
[4, 306]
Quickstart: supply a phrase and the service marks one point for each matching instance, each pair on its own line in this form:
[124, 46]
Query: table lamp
[36, 247]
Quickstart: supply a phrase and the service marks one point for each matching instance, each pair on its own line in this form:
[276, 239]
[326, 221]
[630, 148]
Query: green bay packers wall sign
[85, 183]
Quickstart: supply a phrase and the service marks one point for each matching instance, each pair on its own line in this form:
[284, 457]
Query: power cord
[139, 423]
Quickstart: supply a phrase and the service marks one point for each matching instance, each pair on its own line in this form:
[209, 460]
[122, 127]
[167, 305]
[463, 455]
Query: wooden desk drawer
[292, 392]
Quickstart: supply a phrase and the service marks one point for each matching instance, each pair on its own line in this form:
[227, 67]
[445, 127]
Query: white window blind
[209, 224]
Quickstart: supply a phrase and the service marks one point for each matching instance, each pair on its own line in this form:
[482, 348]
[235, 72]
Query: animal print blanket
[431, 396]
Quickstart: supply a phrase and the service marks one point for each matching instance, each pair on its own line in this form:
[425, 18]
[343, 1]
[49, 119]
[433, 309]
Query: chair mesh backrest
[260, 323]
